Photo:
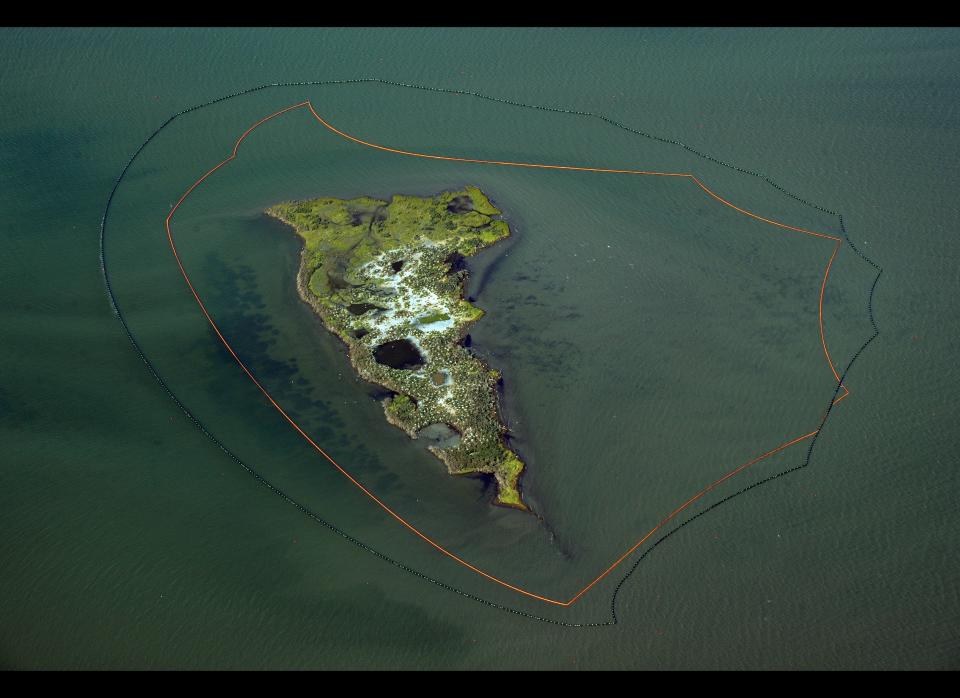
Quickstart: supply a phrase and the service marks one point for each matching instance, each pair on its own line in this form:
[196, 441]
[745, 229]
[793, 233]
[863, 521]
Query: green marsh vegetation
[385, 276]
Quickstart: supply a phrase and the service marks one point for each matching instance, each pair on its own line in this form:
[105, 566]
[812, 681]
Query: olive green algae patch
[386, 278]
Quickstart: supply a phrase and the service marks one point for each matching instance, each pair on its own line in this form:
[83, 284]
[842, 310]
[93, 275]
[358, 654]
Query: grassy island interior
[387, 277]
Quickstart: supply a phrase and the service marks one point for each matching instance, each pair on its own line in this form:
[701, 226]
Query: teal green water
[651, 340]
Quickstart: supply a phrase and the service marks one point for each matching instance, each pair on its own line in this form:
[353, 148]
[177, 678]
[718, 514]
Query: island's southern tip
[388, 278]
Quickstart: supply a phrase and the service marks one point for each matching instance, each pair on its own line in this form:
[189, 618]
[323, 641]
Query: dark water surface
[650, 339]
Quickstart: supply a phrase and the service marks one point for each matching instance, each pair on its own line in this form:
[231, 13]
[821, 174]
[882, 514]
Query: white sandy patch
[413, 303]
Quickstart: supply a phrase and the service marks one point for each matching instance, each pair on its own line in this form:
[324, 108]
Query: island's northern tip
[387, 277]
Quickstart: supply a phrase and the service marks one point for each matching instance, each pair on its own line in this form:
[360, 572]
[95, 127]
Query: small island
[388, 279]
